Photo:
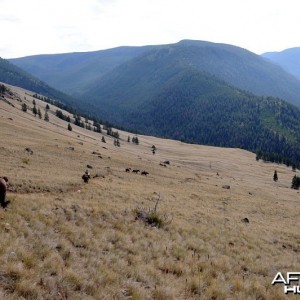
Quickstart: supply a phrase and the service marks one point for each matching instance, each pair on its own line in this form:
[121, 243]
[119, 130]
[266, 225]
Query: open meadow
[64, 239]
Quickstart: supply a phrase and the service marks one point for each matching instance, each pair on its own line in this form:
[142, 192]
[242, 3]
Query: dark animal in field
[135, 171]
[226, 187]
[145, 173]
[3, 189]
[86, 176]
[127, 170]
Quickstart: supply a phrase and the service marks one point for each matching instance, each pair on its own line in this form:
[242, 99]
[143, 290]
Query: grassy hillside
[63, 239]
[287, 59]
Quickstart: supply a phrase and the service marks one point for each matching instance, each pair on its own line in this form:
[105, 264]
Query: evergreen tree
[46, 117]
[34, 110]
[295, 183]
[69, 127]
[135, 140]
[103, 139]
[39, 113]
[47, 107]
[24, 107]
[128, 139]
[275, 176]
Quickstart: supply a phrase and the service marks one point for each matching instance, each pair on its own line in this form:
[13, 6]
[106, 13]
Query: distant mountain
[288, 59]
[183, 103]
[73, 72]
[11, 74]
[77, 73]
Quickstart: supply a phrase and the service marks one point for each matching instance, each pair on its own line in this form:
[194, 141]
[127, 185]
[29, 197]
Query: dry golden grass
[63, 239]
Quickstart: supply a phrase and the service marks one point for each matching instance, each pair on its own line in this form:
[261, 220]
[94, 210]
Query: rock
[226, 187]
[71, 148]
[89, 166]
[245, 220]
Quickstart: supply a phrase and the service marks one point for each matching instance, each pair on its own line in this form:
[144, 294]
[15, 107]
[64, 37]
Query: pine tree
[34, 110]
[128, 139]
[47, 107]
[275, 176]
[24, 107]
[103, 139]
[295, 183]
[69, 127]
[39, 113]
[46, 117]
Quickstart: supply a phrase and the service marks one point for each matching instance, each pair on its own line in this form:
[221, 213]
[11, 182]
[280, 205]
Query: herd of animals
[136, 171]
[86, 176]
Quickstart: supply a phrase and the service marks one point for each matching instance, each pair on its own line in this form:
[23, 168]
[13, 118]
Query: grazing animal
[145, 173]
[135, 171]
[3, 189]
[127, 170]
[86, 176]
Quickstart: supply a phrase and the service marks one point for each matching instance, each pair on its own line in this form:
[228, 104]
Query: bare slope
[62, 239]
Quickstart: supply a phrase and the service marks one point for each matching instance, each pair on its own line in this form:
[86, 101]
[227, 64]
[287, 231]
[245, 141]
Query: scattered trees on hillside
[69, 127]
[112, 133]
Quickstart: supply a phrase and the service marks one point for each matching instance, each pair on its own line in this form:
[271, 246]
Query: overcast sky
[30, 27]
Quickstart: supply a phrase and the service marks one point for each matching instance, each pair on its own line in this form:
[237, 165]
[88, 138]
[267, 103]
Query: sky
[31, 27]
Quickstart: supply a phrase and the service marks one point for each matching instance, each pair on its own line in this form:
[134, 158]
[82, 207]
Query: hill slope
[11, 74]
[62, 238]
[288, 59]
[75, 73]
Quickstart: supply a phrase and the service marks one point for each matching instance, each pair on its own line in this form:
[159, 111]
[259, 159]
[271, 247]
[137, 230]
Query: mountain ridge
[237, 66]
